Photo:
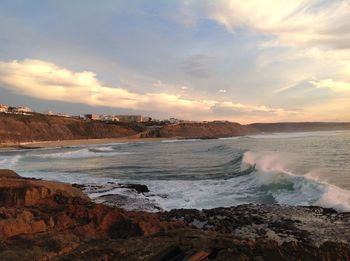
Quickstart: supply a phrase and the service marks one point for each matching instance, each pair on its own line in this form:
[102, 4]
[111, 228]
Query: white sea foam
[9, 162]
[308, 189]
[77, 154]
[180, 140]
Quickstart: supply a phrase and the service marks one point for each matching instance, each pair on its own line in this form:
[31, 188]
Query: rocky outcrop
[38, 127]
[16, 191]
[63, 224]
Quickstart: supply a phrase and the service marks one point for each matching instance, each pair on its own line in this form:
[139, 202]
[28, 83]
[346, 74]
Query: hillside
[15, 128]
[38, 127]
[208, 130]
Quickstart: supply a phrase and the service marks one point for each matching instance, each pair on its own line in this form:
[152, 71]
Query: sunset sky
[243, 61]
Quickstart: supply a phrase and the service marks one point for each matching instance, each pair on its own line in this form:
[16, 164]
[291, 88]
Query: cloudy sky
[244, 61]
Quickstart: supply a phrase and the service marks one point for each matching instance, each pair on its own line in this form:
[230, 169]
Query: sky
[242, 61]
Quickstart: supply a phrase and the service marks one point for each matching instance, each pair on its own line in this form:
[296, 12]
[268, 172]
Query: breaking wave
[206, 174]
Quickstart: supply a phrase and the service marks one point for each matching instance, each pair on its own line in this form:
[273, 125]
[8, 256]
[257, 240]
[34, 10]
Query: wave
[79, 154]
[102, 149]
[286, 187]
[179, 140]
[9, 162]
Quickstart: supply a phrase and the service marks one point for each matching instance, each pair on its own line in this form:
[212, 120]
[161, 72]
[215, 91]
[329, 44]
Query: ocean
[311, 168]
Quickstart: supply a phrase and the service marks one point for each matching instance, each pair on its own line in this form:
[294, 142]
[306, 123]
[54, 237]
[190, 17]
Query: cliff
[38, 127]
[209, 130]
[42, 220]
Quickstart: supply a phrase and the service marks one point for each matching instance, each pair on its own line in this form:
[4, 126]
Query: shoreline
[75, 142]
[100, 141]
[64, 224]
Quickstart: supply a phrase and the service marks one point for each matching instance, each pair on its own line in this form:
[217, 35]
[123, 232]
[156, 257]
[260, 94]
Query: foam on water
[307, 189]
[9, 162]
[81, 153]
[206, 174]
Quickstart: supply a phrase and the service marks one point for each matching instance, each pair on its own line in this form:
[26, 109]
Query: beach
[70, 143]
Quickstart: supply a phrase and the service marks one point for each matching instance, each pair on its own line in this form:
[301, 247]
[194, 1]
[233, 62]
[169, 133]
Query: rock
[7, 173]
[201, 255]
[17, 191]
[124, 229]
[173, 252]
[138, 187]
[128, 202]
[42, 220]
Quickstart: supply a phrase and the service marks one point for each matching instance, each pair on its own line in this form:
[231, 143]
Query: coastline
[75, 142]
[45, 220]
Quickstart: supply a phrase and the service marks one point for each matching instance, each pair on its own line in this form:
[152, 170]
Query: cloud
[222, 91]
[297, 22]
[45, 80]
[337, 86]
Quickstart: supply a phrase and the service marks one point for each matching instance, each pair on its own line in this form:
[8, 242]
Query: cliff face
[42, 220]
[25, 128]
[206, 130]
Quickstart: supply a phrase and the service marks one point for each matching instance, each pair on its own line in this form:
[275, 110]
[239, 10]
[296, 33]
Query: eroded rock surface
[55, 221]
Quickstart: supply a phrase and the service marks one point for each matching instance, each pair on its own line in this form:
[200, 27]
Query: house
[147, 119]
[130, 118]
[95, 117]
[4, 108]
[20, 109]
[173, 121]
[110, 118]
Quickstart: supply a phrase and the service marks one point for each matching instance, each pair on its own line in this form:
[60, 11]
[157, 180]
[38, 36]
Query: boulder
[18, 191]
[7, 173]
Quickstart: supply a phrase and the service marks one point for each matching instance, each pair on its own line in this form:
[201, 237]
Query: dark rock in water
[138, 187]
[129, 202]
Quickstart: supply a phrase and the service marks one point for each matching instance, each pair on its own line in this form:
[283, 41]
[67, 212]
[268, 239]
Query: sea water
[310, 168]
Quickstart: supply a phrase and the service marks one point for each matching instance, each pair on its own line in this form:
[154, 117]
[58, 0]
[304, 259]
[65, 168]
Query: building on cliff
[4, 108]
[94, 117]
[20, 110]
[130, 118]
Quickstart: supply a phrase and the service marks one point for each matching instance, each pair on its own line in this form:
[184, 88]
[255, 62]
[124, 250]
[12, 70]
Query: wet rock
[138, 187]
[128, 202]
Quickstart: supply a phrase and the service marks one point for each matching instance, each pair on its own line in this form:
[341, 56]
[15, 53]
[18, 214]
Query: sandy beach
[69, 143]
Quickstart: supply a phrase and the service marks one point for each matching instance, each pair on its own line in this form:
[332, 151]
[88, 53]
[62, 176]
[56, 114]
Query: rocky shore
[44, 220]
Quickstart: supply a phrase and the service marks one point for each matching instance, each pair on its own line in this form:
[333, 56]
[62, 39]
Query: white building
[4, 108]
[174, 121]
[147, 119]
[110, 118]
[20, 109]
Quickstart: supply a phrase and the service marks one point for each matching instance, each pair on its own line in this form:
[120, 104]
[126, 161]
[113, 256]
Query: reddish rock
[19, 192]
[42, 220]
[7, 173]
